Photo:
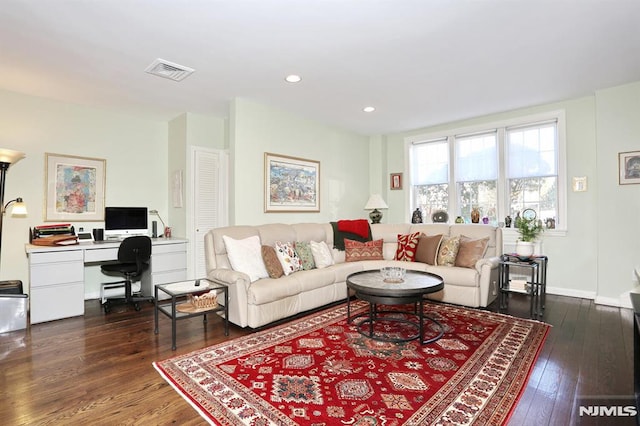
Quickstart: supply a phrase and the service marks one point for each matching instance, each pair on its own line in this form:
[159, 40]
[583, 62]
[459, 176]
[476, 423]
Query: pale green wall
[135, 150]
[618, 208]
[344, 164]
[185, 132]
[597, 255]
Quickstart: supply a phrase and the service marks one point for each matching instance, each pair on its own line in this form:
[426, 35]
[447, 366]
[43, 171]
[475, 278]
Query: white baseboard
[619, 302]
[570, 292]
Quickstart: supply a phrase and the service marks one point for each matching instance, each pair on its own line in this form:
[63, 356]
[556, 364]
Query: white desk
[57, 274]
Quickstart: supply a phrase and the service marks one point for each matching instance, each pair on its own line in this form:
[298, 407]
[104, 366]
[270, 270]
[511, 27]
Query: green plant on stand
[529, 230]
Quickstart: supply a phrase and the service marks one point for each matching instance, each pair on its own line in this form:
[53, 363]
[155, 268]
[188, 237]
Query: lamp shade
[10, 156]
[19, 208]
[375, 202]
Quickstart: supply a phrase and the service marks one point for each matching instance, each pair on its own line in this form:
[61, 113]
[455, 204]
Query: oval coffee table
[371, 287]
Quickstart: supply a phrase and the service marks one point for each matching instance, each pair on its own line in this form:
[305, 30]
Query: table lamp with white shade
[375, 202]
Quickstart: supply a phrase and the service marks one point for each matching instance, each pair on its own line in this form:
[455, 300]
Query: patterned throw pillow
[322, 255]
[288, 258]
[471, 251]
[271, 261]
[448, 250]
[427, 250]
[407, 245]
[303, 249]
[355, 250]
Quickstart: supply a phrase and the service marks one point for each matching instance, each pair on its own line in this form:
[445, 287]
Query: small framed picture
[629, 167]
[396, 181]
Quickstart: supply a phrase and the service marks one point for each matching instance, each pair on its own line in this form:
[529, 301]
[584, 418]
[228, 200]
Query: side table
[535, 285]
[180, 293]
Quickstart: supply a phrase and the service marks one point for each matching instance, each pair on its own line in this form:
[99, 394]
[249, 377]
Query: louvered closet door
[210, 195]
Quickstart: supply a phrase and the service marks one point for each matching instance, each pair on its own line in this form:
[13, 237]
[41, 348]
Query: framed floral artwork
[74, 188]
[291, 184]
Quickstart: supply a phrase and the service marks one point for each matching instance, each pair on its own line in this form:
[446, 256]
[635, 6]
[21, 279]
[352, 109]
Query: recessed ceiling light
[293, 78]
[368, 109]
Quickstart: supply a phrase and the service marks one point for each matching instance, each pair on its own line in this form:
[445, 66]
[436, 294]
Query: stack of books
[60, 234]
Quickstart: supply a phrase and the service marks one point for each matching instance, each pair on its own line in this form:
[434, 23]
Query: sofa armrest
[491, 262]
[488, 270]
[238, 283]
[228, 277]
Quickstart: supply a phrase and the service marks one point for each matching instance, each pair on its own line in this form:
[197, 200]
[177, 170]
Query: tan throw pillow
[428, 246]
[448, 250]
[355, 250]
[271, 262]
[471, 251]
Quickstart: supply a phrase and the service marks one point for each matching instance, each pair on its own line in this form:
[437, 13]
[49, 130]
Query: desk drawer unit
[168, 264]
[57, 285]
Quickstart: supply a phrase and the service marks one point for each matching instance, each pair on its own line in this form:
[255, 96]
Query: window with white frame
[500, 170]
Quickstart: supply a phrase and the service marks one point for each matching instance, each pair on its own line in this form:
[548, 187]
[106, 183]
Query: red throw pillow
[355, 250]
[407, 246]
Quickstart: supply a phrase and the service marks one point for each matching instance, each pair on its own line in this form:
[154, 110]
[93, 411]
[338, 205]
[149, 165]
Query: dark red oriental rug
[318, 370]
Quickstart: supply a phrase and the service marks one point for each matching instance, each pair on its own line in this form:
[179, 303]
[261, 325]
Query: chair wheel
[136, 306]
[107, 307]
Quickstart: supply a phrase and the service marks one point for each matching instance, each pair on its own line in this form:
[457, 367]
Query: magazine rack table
[535, 286]
[180, 306]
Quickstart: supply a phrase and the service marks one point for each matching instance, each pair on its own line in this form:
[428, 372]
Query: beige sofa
[261, 302]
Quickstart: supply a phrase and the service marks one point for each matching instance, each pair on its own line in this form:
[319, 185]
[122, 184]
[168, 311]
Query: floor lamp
[7, 158]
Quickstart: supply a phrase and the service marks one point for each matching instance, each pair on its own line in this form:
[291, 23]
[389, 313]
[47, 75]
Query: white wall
[135, 150]
[596, 257]
[344, 164]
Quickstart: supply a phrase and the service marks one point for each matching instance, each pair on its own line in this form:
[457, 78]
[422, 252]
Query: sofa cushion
[271, 262]
[356, 250]
[448, 251]
[246, 256]
[322, 255]
[303, 250]
[288, 257]
[470, 251]
[407, 245]
[428, 246]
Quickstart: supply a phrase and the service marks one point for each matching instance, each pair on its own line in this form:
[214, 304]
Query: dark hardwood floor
[97, 369]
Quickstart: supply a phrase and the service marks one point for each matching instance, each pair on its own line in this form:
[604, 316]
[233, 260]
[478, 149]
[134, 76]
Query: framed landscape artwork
[291, 184]
[629, 167]
[74, 188]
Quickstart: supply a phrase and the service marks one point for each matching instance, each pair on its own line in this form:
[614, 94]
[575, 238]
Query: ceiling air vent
[169, 70]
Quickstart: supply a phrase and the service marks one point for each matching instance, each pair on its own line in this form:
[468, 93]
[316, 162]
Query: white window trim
[501, 125]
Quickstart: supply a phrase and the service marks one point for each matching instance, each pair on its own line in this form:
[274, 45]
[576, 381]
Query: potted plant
[529, 230]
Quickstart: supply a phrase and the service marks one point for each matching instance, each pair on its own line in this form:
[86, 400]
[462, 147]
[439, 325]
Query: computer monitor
[125, 221]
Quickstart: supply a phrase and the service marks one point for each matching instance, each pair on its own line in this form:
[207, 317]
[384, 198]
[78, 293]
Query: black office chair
[133, 259]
